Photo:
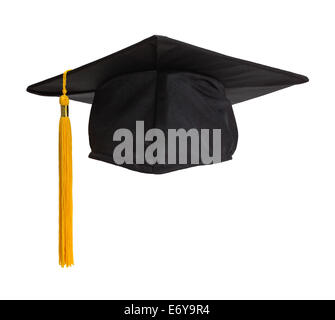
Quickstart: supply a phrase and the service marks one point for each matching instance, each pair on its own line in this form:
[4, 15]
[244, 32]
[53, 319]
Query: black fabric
[163, 100]
[167, 84]
[242, 79]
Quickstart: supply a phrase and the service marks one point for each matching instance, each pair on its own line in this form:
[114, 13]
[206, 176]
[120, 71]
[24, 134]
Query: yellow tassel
[65, 183]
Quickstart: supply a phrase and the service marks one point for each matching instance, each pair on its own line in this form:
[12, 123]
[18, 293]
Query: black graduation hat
[157, 80]
[168, 84]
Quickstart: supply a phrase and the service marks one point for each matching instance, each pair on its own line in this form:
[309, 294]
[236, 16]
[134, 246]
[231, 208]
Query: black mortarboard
[168, 84]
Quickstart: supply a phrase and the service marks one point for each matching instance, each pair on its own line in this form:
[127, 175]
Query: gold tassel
[65, 182]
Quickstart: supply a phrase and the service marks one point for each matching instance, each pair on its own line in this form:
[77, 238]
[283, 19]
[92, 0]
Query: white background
[258, 227]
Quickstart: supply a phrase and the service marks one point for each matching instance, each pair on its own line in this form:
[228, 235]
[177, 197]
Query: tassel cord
[65, 183]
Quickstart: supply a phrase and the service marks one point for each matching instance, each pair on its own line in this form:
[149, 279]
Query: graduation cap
[166, 84]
